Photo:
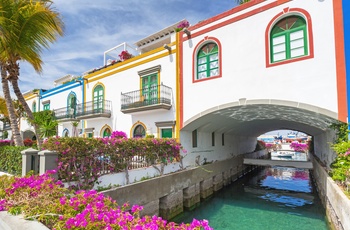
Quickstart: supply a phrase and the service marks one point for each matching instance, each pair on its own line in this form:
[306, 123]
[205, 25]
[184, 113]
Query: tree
[242, 1]
[46, 123]
[26, 28]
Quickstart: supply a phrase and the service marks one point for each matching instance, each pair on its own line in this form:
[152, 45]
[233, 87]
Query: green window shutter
[167, 133]
[150, 88]
[98, 97]
[288, 39]
[208, 61]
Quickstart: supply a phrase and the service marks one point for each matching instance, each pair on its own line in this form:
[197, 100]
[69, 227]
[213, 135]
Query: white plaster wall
[233, 146]
[126, 80]
[322, 146]
[244, 71]
[135, 175]
[58, 96]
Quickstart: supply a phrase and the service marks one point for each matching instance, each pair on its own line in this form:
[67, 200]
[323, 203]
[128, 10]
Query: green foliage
[11, 159]
[341, 130]
[103, 188]
[5, 134]
[341, 166]
[46, 122]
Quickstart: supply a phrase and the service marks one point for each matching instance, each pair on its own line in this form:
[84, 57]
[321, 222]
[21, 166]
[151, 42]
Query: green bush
[341, 166]
[11, 159]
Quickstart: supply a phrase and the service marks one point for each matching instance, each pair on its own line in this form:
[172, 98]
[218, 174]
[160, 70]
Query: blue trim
[346, 24]
[64, 131]
[59, 89]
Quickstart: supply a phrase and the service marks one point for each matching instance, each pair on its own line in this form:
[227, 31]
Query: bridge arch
[241, 122]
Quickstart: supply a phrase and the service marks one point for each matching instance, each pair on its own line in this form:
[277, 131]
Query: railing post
[48, 161]
[30, 161]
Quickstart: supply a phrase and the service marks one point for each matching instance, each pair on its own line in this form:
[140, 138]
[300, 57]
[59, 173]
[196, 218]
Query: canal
[267, 198]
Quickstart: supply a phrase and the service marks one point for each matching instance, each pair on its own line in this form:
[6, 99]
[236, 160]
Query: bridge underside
[256, 117]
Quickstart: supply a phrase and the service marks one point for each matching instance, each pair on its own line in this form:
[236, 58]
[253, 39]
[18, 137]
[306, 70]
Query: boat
[288, 154]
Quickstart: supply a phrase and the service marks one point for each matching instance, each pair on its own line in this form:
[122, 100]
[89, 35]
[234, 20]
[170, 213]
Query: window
[208, 61]
[65, 133]
[150, 89]
[194, 138]
[288, 39]
[107, 132]
[139, 131]
[34, 107]
[47, 106]
[223, 139]
[167, 133]
[213, 139]
[72, 104]
[98, 98]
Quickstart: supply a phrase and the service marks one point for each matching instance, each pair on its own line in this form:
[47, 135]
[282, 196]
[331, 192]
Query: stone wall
[169, 195]
[336, 203]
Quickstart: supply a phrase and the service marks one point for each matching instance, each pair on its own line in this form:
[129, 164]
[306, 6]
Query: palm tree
[26, 27]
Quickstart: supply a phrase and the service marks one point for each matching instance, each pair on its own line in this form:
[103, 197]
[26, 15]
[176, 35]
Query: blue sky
[92, 27]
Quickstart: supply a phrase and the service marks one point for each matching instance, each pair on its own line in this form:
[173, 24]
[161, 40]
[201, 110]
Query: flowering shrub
[119, 134]
[341, 166]
[299, 147]
[124, 55]
[6, 142]
[28, 142]
[182, 25]
[42, 198]
[85, 160]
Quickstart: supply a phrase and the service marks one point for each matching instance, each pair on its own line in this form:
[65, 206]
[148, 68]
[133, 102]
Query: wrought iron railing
[83, 109]
[154, 95]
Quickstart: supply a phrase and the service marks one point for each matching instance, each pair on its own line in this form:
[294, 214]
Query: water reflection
[272, 198]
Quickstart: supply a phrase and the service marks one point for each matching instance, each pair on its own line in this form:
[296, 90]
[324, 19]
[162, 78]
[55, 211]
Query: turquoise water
[272, 199]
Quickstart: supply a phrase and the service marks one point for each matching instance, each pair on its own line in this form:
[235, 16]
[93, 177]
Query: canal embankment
[334, 200]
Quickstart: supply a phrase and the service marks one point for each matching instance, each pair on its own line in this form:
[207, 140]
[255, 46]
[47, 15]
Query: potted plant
[182, 25]
[124, 55]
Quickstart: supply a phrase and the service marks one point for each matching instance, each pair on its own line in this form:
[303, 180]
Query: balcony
[150, 98]
[92, 109]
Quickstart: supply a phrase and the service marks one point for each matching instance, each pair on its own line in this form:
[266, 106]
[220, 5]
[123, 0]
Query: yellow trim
[30, 97]
[103, 75]
[177, 130]
[104, 128]
[136, 124]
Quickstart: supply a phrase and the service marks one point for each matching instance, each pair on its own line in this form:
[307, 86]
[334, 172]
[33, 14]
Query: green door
[98, 99]
[150, 89]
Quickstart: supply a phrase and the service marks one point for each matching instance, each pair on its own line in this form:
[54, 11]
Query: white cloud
[92, 27]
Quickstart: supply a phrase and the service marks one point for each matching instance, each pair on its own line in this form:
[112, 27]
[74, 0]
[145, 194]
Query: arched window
[34, 107]
[72, 104]
[98, 97]
[288, 39]
[139, 131]
[208, 61]
[65, 133]
[107, 132]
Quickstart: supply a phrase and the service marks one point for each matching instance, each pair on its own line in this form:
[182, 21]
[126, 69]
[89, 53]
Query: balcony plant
[182, 25]
[124, 55]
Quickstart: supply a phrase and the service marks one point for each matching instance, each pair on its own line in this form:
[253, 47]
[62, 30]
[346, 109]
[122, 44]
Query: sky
[93, 27]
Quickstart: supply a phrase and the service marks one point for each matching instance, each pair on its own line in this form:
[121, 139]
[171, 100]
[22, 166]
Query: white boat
[284, 154]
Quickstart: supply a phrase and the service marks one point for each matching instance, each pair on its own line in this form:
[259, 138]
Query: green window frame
[208, 61]
[34, 107]
[150, 89]
[98, 97]
[288, 39]
[72, 104]
[47, 106]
